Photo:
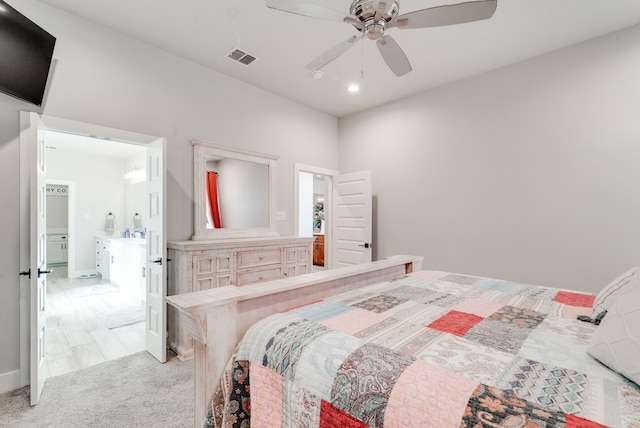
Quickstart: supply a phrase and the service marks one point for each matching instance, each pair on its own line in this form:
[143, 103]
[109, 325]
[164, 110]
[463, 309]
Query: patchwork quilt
[432, 349]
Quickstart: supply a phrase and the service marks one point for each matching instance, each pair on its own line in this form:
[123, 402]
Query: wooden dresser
[200, 265]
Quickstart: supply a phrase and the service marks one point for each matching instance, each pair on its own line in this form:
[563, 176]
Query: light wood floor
[76, 336]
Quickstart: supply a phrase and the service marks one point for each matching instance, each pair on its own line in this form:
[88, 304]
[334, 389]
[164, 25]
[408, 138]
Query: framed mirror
[234, 192]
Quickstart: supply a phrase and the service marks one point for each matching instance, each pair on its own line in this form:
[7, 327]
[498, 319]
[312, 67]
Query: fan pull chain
[362, 58]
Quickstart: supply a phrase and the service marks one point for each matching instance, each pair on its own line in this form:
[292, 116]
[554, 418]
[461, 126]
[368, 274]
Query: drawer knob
[260, 278]
[260, 258]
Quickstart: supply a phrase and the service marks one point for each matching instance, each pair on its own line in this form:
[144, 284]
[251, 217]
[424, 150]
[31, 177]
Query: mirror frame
[203, 149]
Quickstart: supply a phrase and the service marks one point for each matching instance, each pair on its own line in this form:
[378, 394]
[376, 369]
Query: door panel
[156, 278]
[352, 219]
[38, 264]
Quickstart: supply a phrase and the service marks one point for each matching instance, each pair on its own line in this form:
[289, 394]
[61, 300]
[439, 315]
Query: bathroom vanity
[127, 265]
[103, 256]
[123, 262]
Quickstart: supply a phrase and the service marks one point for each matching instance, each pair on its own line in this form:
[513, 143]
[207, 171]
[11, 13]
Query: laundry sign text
[57, 190]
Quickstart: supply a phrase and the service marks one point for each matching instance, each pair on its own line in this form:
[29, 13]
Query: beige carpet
[132, 391]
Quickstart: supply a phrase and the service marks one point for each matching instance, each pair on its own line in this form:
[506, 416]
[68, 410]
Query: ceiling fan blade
[305, 8]
[393, 55]
[448, 15]
[333, 53]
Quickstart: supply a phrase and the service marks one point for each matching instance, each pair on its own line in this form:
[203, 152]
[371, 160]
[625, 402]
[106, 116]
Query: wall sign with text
[57, 190]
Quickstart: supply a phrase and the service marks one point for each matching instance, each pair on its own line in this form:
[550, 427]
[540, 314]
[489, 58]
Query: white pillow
[616, 342]
[610, 293]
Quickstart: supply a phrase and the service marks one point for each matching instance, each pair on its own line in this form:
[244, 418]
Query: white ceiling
[204, 31]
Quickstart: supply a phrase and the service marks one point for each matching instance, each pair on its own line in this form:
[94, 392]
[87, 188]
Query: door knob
[40, 272]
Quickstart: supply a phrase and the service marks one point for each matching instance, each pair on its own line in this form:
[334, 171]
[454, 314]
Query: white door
[38, 260]
[352, 196]
[156, 276]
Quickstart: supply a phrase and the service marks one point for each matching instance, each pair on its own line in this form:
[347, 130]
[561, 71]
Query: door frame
[328, 204]
[26, 160]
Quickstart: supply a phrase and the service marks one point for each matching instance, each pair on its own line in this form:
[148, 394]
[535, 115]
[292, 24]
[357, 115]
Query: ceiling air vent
[240, 56]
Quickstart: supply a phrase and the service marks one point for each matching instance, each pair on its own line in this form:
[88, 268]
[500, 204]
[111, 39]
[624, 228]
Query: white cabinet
[57, 251]
[200, 265]
[128, 265]
[142, 272]
[115, 261]
[103, 257]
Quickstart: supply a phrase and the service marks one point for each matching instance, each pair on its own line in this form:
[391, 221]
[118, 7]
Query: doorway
[313, 201]
[94, 318]
[60, 223]
[34, 328]
[347, 213]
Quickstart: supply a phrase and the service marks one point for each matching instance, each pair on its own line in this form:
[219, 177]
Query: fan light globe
[374, 31]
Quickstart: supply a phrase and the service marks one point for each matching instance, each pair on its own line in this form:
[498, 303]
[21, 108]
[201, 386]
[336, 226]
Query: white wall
[103, 77]
[529, 173]
[134, 196]
[99, 190]
[135, 192]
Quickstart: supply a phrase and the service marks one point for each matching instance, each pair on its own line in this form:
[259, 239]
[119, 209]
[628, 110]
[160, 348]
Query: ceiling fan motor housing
[374, 19]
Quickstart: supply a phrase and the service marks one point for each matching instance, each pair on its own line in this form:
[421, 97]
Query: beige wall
[105, 78]
[529, 173]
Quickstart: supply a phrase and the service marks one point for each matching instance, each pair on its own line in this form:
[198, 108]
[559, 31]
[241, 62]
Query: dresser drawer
[253, 276]
[258, 258]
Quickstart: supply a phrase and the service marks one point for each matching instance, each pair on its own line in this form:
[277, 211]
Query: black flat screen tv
[26, 51]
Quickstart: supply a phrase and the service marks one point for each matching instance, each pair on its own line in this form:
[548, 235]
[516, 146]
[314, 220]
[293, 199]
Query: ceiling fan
[372, 17]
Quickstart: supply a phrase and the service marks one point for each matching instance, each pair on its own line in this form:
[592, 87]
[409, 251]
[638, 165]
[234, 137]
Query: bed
[388, 344]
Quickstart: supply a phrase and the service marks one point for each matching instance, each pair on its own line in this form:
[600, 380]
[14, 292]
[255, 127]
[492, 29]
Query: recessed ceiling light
[353, 88]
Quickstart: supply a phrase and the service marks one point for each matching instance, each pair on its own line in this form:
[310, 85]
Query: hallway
[79, 314]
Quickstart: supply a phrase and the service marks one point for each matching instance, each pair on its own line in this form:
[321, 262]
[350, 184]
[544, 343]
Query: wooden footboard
[218, 318]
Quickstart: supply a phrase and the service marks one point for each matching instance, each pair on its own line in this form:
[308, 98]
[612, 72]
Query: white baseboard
[10, 381]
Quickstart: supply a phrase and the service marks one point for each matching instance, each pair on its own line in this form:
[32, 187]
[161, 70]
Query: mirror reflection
[237, 194]
[234, 192]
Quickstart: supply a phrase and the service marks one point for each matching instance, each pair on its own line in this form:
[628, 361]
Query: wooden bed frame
[218, 318]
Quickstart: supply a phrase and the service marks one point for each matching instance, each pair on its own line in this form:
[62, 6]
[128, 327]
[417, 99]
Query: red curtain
[212, 193]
